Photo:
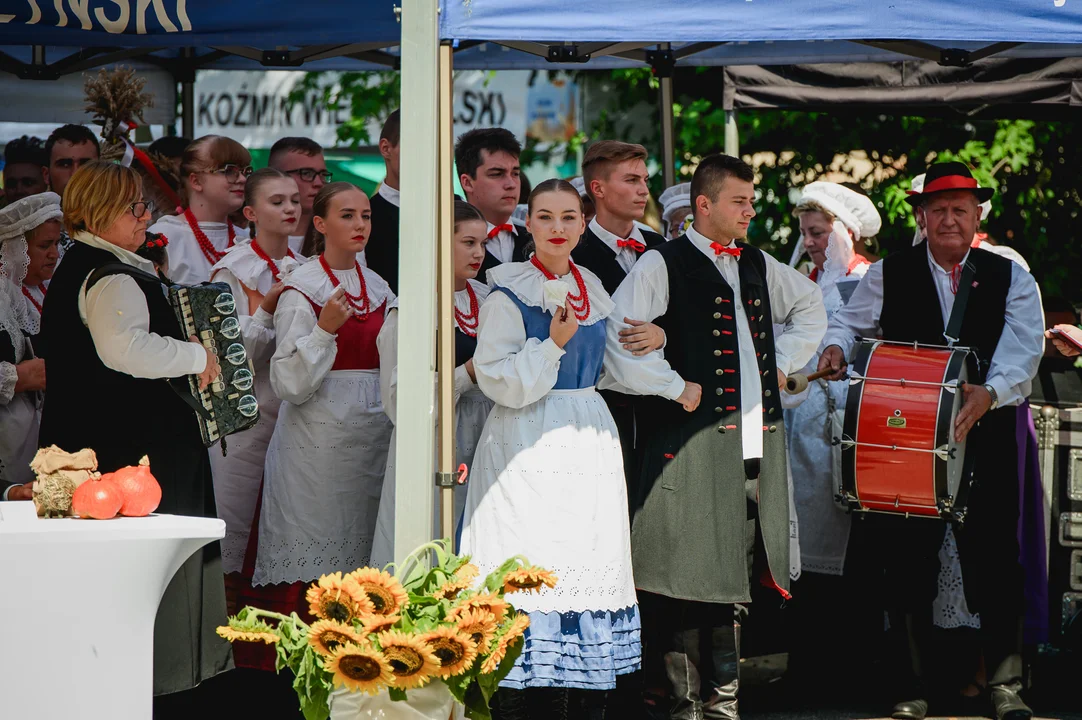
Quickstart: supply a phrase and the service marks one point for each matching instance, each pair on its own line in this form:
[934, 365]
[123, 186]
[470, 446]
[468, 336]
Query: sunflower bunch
[400, 628]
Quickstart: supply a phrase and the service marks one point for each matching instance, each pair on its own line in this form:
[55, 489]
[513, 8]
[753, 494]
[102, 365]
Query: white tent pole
[668, 142]
[445, 316]
[417, 286]
[732, 135]
[668, 130]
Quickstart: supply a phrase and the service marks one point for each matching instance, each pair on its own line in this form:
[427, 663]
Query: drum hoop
[848, 490]
[946, 414]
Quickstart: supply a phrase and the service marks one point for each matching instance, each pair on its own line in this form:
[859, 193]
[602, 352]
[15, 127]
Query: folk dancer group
[618, 398]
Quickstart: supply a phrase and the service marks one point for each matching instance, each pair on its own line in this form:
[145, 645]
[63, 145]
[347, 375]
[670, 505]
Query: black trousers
[906, 551]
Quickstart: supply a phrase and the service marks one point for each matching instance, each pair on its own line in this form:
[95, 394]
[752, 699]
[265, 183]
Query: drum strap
[961, 299]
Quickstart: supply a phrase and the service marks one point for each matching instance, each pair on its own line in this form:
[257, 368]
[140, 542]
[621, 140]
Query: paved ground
[1057, 695]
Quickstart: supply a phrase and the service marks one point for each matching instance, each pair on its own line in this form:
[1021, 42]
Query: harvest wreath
[380, 632]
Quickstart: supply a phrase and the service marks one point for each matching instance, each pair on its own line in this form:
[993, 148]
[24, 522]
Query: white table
[77, 605]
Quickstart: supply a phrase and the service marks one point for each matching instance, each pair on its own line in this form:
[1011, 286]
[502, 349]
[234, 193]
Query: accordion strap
[179, 385]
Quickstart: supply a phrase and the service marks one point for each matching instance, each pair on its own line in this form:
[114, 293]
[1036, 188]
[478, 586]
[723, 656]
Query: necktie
[718, 249]
[497, 229]
[633, 244]
[956, 276]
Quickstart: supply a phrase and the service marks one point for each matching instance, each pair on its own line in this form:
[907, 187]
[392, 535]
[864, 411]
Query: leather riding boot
[682, 670]
[1003, 653]
[724, 681]
[915, 706]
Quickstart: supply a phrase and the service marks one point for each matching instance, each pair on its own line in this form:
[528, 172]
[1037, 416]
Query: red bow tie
[496, 230]
[718, 249]
[633, 244]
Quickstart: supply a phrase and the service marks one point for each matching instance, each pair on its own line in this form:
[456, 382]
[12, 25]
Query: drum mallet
[797, 383]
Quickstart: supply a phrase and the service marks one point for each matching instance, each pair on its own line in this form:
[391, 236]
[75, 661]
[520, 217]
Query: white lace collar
[530, 286]
[249, 268]
[312, 280]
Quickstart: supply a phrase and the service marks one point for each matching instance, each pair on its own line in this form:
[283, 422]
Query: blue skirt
[578, 650]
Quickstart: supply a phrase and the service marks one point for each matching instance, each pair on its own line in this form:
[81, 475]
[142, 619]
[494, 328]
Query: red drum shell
[896, 426]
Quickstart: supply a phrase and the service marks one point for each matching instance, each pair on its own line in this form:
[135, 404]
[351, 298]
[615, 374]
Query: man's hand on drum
[975, 404]
[834, 359]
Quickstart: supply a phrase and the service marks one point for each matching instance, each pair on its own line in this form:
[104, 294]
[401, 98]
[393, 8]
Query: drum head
[955, 465]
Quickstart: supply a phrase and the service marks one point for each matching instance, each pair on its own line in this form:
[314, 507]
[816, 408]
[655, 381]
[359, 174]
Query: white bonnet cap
[857, 212]
[22, 216]
[675, 197]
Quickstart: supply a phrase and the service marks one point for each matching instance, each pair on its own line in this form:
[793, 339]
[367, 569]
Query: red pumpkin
[97, 498]
[141, 491]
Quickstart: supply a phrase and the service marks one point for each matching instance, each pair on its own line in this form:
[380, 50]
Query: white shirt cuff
[552, 351]
[322, 337]
[675, 389]
[264, 318]
[1005, 394]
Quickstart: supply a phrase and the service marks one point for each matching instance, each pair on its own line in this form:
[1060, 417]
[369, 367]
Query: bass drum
[899, 454]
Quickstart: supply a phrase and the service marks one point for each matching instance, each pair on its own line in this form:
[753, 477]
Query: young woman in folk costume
[326, 459]
[214, 170]
[833, 221]
[471, 405]
[548, 480]
[29, 231]
[253, 269]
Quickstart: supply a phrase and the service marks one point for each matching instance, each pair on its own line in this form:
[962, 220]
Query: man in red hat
[909, 297]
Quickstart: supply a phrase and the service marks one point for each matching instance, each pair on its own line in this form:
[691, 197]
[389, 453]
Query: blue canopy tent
[39, 41]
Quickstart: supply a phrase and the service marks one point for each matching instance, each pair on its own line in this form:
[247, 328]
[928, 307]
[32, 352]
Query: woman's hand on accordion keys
[212, 370]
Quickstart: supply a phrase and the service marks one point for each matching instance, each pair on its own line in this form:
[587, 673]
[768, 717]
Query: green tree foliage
[1033, 165]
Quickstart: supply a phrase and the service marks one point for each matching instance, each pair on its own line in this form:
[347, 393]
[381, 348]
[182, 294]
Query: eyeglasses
[233, 173]
[309, 174]
[139, 209]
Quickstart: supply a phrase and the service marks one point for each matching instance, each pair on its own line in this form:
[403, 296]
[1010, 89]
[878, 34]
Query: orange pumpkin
[98, 498]
[142, 493]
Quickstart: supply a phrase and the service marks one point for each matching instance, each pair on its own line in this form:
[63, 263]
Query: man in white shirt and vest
[486, 160]
[909, 297]
[711, 506]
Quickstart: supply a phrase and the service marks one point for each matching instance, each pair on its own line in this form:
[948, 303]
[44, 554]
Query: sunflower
[467, 573]
[492, 663]
[385, 592]
[518, 627]
[412, 661]
[479, 625]
[326, 636]
[378, 623]
[233, 635]
[336, 598]
[455, 650]
[248, 631]
[489, 602]
[360, 668]
[530, 579]
[450, 589]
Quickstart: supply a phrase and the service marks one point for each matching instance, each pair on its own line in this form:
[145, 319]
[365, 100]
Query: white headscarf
[852, 212]
[16, 220]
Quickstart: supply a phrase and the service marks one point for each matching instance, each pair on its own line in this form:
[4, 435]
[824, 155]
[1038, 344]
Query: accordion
[228, 405]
